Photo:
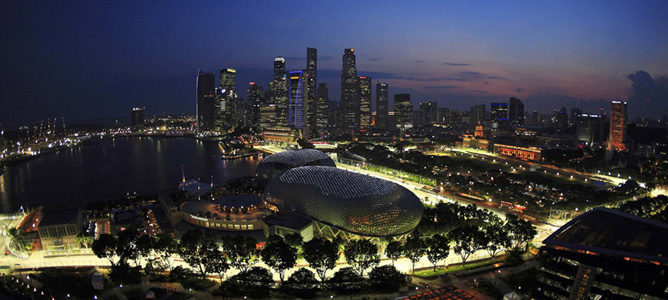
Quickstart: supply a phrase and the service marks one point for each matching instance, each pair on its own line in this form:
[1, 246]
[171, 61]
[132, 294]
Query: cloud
[440, 87]
[466, 76]
[645, 88]
[452, 64]
[482, 92]
[374, 59]
[519, 90]
[419, 61]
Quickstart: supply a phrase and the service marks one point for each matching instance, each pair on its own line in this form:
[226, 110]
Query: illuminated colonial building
[523, 153]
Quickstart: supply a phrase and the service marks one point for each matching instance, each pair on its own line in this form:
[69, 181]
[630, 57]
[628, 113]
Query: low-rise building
[605, 254]
[59, 229]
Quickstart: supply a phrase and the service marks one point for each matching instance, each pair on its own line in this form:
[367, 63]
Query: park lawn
[439, 271]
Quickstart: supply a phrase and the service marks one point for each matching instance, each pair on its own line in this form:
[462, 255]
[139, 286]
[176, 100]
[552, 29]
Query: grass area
[452, 269]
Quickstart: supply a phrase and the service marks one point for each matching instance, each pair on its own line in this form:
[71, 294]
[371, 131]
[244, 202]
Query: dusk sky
[91, 61]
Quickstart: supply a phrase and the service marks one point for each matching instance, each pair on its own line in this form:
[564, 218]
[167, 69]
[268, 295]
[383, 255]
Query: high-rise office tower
[279, 68]
[226, 100]
[427, 113]
[322, 109]
[206, 83]
[350, 93]
[403, 111]
[268, 109]
[298, 108]
[365, 103]
[562, 118]
[499, 111]
[279, 91]
[382, 99]
[589, 128]
[477, 114]
[137, 117]
[617, 125]
[516, 111]
[254, 100]
[312, 71]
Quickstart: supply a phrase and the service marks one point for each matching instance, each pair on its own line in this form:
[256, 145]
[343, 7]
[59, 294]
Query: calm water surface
[111, 168]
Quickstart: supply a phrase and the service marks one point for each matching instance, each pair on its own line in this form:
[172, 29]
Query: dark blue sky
[91, 60]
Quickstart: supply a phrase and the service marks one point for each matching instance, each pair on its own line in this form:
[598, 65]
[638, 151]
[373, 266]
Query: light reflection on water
[109, 169]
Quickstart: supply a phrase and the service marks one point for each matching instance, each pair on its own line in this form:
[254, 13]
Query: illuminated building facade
[350, 100]
[254, 100]
[479, 131]
[365, 103]
[403, 111]
[589, 128]
[382, 102]
[617, 125]
[298, 106]
[523, 153]
[470, 141]
[322, 110]
[605, 254]
[312, 83]
[206, 105]
[279, 92]
[499, 114]
[227, 108]
[345, 204]
[137, 118]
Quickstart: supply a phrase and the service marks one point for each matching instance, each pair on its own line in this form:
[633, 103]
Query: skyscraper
[428, 113]
[298, 108]
[226, 100]
[322, 110]
[499, 111]
[206, 83]
[137, 117]
[254, 100]
[350, 93]
[403, 111]
[589, 128]
[279, 91]
[365, 103]
[617, 125]
[477, 114]
[382, 99]
[516, 111]
[312, 71]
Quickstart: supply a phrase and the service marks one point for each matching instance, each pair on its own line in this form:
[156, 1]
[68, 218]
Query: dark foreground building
[605, 254]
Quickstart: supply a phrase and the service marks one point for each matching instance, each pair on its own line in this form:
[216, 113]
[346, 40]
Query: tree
[279, 256]
[495, 239]
[145, 249]
[387, 279]
[468, 240]
[105, 247]
[294, 240]
[302, 283]
[394, 250]
[126, 247]
[438, 249]
[165, 246]
[520, 231]
[196, 250]
[321, 255]
[346, 280]
[361, 255]
[217, 263]
[240, 251]
[414, 249]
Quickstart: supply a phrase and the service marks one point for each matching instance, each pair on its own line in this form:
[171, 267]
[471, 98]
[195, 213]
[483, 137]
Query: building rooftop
[59, 216]
[288, 220]
[611, 232]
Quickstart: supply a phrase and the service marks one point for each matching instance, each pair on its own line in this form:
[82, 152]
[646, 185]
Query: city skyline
[450, 53]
